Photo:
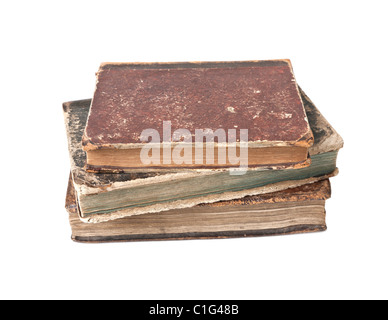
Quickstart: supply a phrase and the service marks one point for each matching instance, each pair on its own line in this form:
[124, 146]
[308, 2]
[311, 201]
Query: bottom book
[295, 210]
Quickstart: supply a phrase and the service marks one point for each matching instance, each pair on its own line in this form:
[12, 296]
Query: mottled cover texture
[261, 96]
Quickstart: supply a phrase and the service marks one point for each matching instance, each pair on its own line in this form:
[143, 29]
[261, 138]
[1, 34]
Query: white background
[50, 51]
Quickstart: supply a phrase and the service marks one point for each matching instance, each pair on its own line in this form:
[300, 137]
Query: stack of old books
[197, 150]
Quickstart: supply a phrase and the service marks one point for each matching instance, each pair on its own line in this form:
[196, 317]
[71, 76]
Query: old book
[294, 210]
[201, 115]
[104, 197]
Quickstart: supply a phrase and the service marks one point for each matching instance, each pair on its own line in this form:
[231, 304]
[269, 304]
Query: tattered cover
[261, 96]
[125, 229]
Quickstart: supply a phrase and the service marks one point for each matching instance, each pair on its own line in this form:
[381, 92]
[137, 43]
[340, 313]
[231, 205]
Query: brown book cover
[259, 96]
[295, 210]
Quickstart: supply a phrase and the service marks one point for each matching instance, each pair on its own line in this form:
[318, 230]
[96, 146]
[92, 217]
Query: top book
[196, 115]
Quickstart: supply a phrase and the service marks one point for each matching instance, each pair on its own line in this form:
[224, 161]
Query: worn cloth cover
[261, 96]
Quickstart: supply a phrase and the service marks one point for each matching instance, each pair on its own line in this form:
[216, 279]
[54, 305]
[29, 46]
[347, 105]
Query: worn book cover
[295, 210]
[105, 197]
[206, 102]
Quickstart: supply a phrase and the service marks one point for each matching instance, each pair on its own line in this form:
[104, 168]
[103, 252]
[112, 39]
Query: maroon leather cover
[261, 96]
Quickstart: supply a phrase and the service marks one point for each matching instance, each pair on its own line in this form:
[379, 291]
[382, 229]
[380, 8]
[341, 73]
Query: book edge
[72, 209]
[187, 203]
[299, 229]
